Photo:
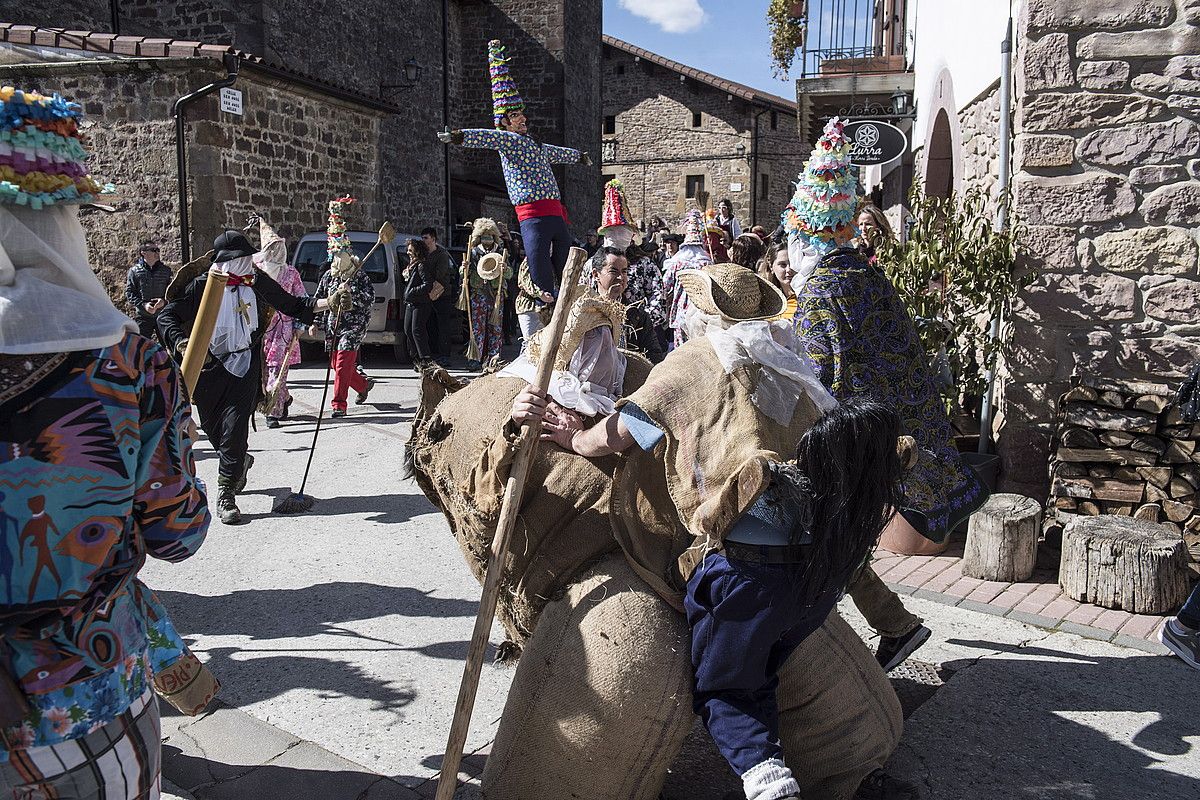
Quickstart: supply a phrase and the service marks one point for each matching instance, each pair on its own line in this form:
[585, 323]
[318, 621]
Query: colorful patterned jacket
[96, 473]
[525, 162]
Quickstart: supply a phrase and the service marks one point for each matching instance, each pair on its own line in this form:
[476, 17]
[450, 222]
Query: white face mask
[804, 258]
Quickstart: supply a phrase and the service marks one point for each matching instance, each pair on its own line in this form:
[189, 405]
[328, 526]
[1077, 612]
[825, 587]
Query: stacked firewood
[1122, 449]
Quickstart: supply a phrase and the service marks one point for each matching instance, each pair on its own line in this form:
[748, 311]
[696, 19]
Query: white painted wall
[963, 37]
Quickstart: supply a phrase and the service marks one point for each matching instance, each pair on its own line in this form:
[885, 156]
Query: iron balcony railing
[854, 37]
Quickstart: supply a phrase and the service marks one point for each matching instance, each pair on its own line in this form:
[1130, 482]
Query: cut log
[1088, 508]
[1065, 470]
[1179, 451]
[1130, 457]
[1116, 439]
[1066, 503]
[1180, 488]
[1128, 388]
[1190, 473]
[1081, 394]
[1177, 432]
[1119, 562]
[1116, 509]
[1100, 472]
[1159, 476]
[1149, 444]
[1101, 489]
[1155, 495]
[1108, 419]
[1111, 399]
[1002, 539]
[1155, 404]
[1174, 417]
[1176, 511]
[1078, 437]
[1193, 524]
[1126, 474]
[1151, 512]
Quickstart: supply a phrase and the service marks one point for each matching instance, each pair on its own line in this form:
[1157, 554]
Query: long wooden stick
[202, 329]
[513, 490]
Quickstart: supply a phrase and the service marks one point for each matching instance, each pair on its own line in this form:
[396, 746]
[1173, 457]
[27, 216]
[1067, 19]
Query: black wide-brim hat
[230, 245]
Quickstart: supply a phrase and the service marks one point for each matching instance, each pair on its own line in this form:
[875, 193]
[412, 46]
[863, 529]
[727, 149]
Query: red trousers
[345, 377]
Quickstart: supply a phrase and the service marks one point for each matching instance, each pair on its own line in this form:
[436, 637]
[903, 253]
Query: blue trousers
[746, 619]
[1190, 613]
[547, 244]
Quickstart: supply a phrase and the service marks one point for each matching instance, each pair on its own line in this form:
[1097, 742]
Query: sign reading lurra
[875, 142]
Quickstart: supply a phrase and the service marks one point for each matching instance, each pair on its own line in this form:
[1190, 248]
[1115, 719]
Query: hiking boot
[247, 463]
[362, 396]
[337, 412]
[272, 422]
[1181, 640]
[227, 509]
[893, 650]
[881, 786]
[286, 406]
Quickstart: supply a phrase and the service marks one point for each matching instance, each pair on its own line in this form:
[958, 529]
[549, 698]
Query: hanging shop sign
[875, 142]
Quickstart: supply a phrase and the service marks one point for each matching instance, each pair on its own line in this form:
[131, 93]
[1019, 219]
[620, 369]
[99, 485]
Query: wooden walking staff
[513, 490]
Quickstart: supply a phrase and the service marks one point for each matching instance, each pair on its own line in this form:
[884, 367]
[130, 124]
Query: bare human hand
[529, 406]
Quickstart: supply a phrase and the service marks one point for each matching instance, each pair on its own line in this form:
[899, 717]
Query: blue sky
[728, 38]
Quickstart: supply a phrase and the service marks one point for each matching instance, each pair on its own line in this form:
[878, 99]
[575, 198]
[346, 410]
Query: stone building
[1106, 134]
[669, 129]
[327, 109]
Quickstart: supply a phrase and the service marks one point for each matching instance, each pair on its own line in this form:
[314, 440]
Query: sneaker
[1181, 640]
[338, 412]
[362, 396]
[881, 786]
[474, 366]
[893, 650]
[272, 422]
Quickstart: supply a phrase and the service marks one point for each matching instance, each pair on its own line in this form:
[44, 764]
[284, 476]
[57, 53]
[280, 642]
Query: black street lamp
[412, 74]
[900, 102]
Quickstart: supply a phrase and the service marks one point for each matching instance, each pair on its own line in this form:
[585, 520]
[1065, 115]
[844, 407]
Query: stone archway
[939, 163]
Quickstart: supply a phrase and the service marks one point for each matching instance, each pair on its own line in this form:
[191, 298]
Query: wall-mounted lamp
[412, 74]
[900, 105]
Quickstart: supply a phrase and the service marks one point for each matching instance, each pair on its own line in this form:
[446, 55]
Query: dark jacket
[144, 283]
[176, 320]
[420, 280]
[640, 335]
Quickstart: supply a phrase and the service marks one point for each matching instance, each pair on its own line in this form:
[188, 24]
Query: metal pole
[446, 118]
[1001, 223]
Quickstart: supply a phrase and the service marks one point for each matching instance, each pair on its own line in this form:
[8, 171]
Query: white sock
[770, 780]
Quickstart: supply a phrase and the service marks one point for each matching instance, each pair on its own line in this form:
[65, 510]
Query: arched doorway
[939, 168]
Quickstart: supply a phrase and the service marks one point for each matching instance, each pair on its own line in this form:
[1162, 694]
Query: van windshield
[310, 261]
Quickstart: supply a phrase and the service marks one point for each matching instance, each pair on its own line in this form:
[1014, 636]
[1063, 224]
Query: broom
[297, 502]
[448, 779]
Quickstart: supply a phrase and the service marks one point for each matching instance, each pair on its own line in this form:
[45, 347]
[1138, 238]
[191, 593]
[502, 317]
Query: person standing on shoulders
[146, 286]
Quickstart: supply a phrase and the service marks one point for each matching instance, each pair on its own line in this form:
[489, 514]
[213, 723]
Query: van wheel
[400, 352]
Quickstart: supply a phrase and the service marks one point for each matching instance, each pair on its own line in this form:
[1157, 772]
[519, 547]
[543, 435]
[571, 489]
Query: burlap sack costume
[601, 700]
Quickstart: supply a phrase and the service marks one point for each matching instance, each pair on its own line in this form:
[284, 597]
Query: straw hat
[589, 312]
[732, 292]
[490, 266]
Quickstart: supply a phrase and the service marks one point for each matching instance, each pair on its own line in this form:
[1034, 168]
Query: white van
[386, 270]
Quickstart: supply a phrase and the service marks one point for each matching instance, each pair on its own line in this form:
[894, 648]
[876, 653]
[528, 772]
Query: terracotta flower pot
[903, 539]
[796, 10]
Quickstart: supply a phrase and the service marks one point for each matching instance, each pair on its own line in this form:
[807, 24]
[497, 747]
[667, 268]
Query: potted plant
[786, 21]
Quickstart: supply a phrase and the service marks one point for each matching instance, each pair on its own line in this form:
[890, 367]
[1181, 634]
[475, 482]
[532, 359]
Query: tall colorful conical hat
[505, 96]
[616, 223]
[42, 153]
[821, 213]
[693, 227]
[336, 239]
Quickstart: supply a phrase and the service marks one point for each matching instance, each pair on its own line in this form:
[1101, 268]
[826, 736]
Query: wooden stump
[1002, 539]
[1119, 562]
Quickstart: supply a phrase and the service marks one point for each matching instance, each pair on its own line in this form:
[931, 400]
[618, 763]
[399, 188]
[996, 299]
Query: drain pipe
[449, 224]
[986, 410]
[231, 65]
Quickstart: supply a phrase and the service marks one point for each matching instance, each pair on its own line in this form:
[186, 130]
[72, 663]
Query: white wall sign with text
[231, 101]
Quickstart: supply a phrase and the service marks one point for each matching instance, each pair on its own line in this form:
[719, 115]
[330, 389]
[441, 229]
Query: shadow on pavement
[385, 508]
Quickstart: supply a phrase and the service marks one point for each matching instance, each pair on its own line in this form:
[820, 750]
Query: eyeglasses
[149, 249]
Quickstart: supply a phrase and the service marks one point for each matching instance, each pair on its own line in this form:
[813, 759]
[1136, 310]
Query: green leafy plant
[957, 273]
[787, 34]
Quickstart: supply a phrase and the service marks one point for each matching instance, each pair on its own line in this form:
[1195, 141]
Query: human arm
[562, 155]
[610, 435]
[302, 308]
[170, 507]
[448, 136]
[176, 319]
[487, 138]
[133, 291]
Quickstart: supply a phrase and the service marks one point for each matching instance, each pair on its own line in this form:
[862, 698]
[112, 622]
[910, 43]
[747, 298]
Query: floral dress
[351, 324]
[96, 473]
[486, 317]
[277, 341]
[860, 339]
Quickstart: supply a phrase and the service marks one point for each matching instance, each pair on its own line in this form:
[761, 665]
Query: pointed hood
[271, 257]
[505, 96]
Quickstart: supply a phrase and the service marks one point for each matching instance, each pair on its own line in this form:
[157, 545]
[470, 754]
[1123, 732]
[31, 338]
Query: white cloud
[673, 16]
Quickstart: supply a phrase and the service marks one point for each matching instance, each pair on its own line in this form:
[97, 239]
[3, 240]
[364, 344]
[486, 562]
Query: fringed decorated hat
[588, 312]
[337, 240]
[505, 97]
[616, 223]
[693, 227]
[733, 292]
[42, 152]
[822, 211]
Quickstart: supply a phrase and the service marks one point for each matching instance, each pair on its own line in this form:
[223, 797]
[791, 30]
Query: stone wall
[980, 125]
[286, 157]
[76, 15]
[657, 147]
[1108, 180]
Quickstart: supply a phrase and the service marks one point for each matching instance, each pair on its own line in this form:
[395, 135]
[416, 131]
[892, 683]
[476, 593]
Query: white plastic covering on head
[592, 382]
[771, 344]
[236, 320]
[50, 300]
[272, 258]
[804, 258]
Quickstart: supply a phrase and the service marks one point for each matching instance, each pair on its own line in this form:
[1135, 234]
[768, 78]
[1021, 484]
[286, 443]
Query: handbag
[436, 291]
